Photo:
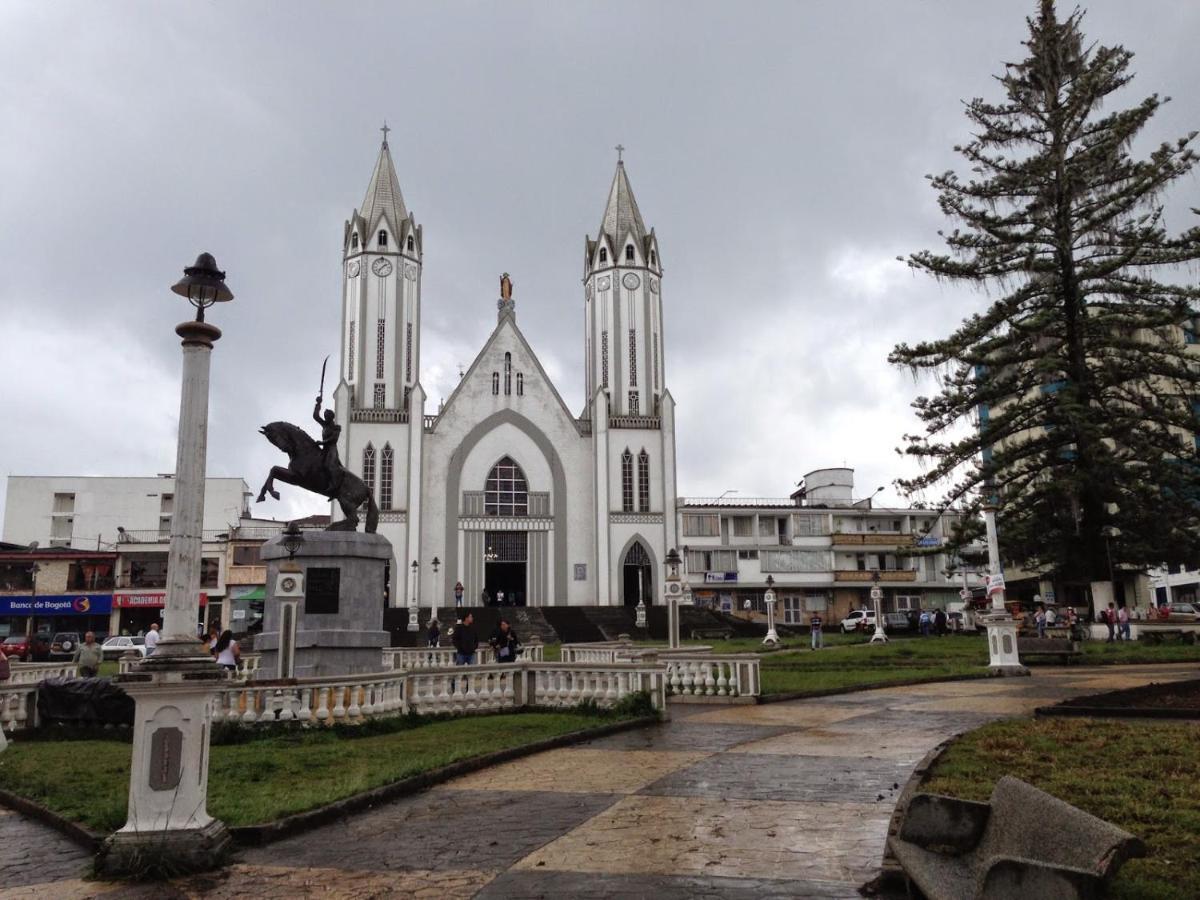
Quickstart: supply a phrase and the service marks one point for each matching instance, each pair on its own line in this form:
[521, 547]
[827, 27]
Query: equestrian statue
[314, 466]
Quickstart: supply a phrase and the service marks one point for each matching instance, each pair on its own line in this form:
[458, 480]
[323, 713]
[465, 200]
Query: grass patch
[1142, 776]
[285, 773]
[1099, 653]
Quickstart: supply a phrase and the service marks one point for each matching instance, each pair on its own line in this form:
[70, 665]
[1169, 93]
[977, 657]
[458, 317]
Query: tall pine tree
[1083, 375]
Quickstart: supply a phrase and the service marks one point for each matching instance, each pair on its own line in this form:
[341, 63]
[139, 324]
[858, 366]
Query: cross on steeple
[619, 150]
[385, 130]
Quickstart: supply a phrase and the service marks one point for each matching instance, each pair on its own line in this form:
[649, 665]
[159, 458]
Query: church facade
[504, 485]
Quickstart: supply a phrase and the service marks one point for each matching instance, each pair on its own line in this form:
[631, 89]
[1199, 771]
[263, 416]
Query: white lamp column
[672, 592]
[413, 624]
[772, 637]
[1003, 658]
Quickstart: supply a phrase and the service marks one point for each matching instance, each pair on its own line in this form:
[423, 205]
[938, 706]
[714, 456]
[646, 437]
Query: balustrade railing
[18, 707]
[32, 673]
[248, 669]
[397, 659]
[731, 675]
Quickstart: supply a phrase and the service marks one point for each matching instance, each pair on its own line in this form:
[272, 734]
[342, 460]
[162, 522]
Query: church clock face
[352, 269]
[381, 267]
[602, 283]
[410, 272]
[654, 285]
[631, 281]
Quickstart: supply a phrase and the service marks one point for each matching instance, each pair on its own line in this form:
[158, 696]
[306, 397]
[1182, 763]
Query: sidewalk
[778, 800]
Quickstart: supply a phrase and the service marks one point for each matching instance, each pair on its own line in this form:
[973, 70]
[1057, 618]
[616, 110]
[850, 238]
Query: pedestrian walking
[499, 598]
[925, 623]
[939, 622]
[1123, 623]
[434, 633]
[89, 656]
[152, 637]
[1109, 618]
[227, 651]
[458, 594]
[504, 642]
[466, 642]
[1039, 621]
[814, 629]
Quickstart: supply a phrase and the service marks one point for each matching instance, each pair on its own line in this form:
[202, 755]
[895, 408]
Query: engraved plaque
[321, 591]
[166, 754]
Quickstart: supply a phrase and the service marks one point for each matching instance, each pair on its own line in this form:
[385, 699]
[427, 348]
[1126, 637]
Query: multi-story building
[130, 520]
[822, 547]
[49, 589]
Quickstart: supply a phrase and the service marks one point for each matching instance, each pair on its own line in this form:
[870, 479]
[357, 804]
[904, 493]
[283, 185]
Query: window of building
[653, 258]
[604, 358]
[410, 242]
[626, 481]
[350, 356]
[382, 238]
[246, 555]
[766, 526]
[654, 365]
[743, 526]
[793, 610]
[810, 525]
[722, 560]
[629, 253]
[506, 493]
[747, 554]
[495, 384]
[633, 403]
[386, 460]
[209, 572]
[520, 384]
[408, 352]
[380, 399]
[701, 524]
[603, 255]
[407, 395]
[507, 374]
[643, 481]
[354, 239]
[380, 334]
[633, 357]
[368, 468]
[794, 560]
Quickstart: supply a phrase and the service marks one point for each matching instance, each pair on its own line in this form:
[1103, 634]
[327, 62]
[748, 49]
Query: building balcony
[872, 539]
[235, 575]
[886, 576]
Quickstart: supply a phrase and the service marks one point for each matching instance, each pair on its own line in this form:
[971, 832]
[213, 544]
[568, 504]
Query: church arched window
[603, 255]
[626, 481]
[382, 238]
[368, 468]
[495, 384]
[410, 242]
[634, 406]
[629, 253]
[520, 384]
[507, 374]
[386, 465]
[354, 239]
[643, 481]
[506, 492]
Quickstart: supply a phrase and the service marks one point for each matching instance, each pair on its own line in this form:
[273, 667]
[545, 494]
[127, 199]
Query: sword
[321, 392]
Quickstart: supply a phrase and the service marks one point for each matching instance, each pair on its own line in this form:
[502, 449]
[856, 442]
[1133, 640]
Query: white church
[508, 488]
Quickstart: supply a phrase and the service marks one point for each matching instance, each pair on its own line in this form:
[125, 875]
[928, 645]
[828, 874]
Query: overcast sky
[779, 149]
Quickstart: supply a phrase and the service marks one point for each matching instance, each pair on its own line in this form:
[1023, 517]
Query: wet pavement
[778, 800]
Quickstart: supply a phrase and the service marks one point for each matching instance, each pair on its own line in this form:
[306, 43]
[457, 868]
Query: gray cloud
[778, 148]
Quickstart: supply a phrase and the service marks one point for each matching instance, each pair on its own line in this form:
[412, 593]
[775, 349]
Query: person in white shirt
[227, 651]
[152, 637]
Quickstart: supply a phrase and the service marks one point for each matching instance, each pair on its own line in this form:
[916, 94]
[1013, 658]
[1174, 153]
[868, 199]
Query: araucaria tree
[1083, 375]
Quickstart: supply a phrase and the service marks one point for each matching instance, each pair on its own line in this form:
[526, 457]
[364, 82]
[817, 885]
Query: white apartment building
[821, 546]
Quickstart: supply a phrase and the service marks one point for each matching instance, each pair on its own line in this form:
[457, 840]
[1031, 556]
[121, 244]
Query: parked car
[64, 645]
[957, 621]
[16, 647]
[858, 620]
[1182, 612]
[117, 646]
[896, 621]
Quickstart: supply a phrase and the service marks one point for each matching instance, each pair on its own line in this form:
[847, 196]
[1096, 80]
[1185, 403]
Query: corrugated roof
[383, 193]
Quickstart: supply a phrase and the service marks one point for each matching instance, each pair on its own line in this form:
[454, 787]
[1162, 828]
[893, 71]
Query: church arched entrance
[638, 577]
[506, 553]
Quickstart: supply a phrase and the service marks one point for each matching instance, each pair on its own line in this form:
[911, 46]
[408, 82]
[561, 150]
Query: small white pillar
[772, 638]
[1003, 658]
[880, 635]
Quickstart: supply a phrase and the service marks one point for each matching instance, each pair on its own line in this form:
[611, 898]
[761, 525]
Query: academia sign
[147, 600]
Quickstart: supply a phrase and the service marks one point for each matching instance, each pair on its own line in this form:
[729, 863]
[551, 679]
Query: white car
[858, 619]
[117, 646]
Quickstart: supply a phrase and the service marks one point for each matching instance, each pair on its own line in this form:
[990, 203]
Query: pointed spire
[621, 216]
[383, 193]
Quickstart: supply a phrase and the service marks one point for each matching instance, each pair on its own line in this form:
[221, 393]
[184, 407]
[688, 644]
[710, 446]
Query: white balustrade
[409, 659]
[18, 707]
[708, 675]
[32, 673]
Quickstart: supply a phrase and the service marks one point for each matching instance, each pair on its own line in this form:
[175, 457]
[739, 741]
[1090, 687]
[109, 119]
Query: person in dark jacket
[504, 642]
[466, 642]
[435, 632]
[939, 622]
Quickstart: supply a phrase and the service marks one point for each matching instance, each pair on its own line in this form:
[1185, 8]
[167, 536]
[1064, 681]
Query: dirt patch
[1175, 700]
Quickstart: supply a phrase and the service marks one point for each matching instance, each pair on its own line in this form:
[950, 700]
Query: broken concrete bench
[1065, 650]
[1024, 844]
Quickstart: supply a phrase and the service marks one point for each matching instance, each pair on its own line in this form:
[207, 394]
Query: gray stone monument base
[348, 641]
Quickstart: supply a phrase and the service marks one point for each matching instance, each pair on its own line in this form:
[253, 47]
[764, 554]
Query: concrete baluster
[339, 702]
[710, 683]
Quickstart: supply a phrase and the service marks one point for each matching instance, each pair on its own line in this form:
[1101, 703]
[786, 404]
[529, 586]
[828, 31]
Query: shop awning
[259, 593]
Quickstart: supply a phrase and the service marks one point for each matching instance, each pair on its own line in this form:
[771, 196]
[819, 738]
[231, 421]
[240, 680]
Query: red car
[18, 647]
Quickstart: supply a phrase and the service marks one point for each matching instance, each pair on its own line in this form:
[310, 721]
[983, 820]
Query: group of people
[512, 598]
[504, 641]
[933, 622]
[223, 647]
[1117, 621]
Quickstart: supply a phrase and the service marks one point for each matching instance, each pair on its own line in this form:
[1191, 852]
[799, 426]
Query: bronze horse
[306, 469]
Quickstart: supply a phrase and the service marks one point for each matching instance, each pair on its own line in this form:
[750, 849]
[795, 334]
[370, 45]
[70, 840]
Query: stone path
[779, 800]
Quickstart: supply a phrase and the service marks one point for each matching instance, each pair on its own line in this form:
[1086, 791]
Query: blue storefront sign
[720, 577]
[57, 605]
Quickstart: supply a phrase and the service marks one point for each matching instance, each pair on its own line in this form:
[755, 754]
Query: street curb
[86, 838]
[258, 835]
[1115, 712]
[870, 686]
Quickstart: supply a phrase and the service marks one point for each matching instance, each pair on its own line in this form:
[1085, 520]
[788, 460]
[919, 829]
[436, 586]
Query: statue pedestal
[335, 622]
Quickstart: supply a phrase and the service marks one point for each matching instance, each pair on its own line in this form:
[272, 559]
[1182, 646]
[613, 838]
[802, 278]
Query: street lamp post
[168, 783]
[772, 637]
[33, 576]
[436, 592]
[880, 635]
[640, 616]
[413, 624]
[673, 591]
[1003, 658]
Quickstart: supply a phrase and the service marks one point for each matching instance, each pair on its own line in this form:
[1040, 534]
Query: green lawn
[267, 778]
[1142, 776]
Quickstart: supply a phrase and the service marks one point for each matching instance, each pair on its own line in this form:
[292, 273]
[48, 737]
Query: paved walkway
[779, 800]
